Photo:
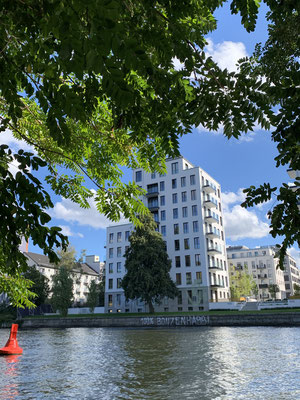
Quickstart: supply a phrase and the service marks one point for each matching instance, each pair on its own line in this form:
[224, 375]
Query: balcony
[217, 285]
[209, 188]
[210, 202]
[150, 194]
[263, 286]
[213, 235]
[214, 250]
[210, 218]
[215, 266]
[153, 208]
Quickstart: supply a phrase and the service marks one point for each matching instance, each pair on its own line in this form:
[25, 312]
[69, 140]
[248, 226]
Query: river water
[180, 363]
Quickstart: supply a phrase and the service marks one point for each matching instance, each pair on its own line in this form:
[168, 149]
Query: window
[110, 268]
[119, 280]
[118, 299]
[110, 300]
[185, 227]
[194, 211]
[111, 252]
[174, 168]
[174, 198]
[183, 197]
[193, 194]
[110, 283]
[199, 276]
[176, 229]
[162, 200]
[163, 215]
[111, 237]
[163, 230]
[127, 233]
[178, 279]
[153, 175]
[253, 264]
[174, 183]
[184, 212]
[188, 261]
[183, 181]
[138, 176]
[197, 259]
[119, 236]
[196, 243]
[179, 298]
[176, 245]
[119, 251]
[118, 267]
[175, 213]
[195, 226]
[188, 277]
[192, 180]
[177, 262]
[186, 244]
[162, 186]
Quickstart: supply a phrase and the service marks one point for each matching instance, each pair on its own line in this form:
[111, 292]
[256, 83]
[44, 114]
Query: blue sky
[235, 164]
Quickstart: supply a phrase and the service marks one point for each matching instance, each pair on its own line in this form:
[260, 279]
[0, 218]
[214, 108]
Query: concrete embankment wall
[264, 319]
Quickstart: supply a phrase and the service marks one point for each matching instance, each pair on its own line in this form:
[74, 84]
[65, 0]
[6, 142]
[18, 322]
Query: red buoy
[12, 346]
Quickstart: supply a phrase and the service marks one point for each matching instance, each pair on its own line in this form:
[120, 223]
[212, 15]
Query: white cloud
[226, 54]
[239, 222]
[8, 138]
[66, 230]
[72, 212]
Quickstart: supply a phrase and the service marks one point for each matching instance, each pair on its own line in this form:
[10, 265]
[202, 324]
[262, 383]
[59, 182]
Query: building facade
[262, 263]
[82, 275]
[186, 204]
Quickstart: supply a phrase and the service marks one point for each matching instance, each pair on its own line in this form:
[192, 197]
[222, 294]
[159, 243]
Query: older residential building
[263, 265]
[186, 204]
[82, 273]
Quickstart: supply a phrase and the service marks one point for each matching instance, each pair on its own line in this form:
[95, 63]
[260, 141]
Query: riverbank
[282, 318]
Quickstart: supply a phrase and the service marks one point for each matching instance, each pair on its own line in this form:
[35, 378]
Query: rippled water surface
[185, 363]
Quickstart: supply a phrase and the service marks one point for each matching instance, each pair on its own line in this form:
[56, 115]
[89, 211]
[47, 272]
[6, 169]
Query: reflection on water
[183, 363]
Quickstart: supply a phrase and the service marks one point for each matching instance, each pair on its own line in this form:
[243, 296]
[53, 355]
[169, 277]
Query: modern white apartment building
[263, 265]
[186, 204]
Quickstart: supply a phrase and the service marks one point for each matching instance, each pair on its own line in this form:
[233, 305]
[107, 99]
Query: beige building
[83, 273]
[291, 275]
[263, 265]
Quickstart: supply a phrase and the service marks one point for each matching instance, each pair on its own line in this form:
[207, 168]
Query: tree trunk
[151, 308]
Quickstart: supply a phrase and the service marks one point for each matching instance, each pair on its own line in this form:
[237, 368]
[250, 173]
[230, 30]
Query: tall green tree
[62, 290]
[273, 289]
[242, 283]
[93, 296]
[296, 290]
[147, 266]
[40, 285]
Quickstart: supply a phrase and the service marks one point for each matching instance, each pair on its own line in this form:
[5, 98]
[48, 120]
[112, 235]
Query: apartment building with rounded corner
[186, 204]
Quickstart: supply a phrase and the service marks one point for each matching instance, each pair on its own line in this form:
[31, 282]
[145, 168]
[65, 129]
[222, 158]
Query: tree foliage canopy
[92, 87]
[242, 283]
[62, 290]
[147, 266]
[40, 285]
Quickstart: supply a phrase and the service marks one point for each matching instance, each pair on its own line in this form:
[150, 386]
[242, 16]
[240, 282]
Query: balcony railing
[217, 284]
[209, 188]
[210, 202]
[211, 218]
[214, 250]
[213, 235]
[215, 266]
